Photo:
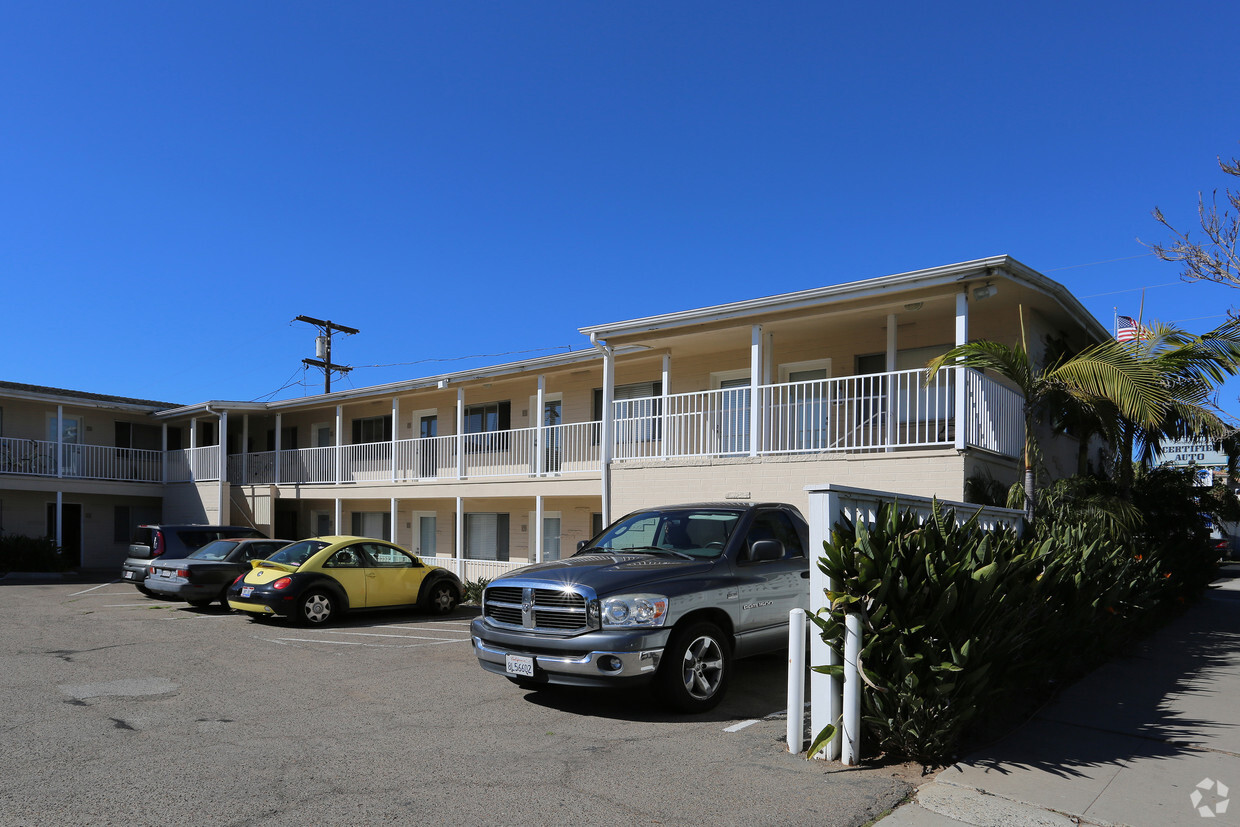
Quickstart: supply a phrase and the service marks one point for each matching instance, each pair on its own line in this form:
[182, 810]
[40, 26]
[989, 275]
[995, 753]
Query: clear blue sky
[179, 180]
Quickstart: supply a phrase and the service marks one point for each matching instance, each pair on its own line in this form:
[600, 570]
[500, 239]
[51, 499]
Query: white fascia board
[70, 401]
[395, 388]
[849, 291]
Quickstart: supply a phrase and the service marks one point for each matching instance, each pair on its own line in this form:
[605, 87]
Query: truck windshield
[696, 532]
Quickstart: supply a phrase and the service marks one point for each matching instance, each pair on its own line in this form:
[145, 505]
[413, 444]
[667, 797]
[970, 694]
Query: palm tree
[1191, 368]
[1159, 385]
[1102, 381]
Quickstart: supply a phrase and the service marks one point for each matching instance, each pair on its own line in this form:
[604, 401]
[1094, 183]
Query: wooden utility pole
[324, 350]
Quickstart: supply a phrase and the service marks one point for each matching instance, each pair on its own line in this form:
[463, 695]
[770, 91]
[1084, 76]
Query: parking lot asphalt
[122, 709]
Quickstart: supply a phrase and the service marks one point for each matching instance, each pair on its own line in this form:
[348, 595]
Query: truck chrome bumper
[600, 666]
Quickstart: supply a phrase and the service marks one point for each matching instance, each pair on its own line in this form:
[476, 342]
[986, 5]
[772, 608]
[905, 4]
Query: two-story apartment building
[520, 461]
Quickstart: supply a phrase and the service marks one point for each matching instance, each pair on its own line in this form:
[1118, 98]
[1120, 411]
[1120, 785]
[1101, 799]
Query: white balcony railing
[877, 412]
[50, 459]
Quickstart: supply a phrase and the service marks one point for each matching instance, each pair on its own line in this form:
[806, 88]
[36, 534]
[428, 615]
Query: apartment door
[428, 429]
[70, 531]
[733, 423]
[71, 437]
[552, 416]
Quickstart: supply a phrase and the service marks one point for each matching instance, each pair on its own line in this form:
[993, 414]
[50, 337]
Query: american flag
[1126, 329]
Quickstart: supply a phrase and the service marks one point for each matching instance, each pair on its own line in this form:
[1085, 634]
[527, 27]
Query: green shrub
[21, 553]
[473, 590]
[956, 619]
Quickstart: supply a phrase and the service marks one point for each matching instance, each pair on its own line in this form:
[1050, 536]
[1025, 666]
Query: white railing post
[850, 725]
[796, 680]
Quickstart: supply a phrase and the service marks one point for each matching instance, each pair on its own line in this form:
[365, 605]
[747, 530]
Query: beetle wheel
[441, 599]
[317, 607]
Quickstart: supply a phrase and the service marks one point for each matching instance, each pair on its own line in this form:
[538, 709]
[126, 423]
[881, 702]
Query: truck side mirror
[763, 550]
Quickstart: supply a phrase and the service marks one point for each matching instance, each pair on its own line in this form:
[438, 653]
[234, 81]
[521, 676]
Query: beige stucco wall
[25, 513]
[783, 479]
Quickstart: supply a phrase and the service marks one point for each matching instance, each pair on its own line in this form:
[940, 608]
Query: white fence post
[850, 725]
[796, 680]
[825, 691]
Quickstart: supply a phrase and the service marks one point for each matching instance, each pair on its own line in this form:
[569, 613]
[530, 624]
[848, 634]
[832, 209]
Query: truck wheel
[695, 668]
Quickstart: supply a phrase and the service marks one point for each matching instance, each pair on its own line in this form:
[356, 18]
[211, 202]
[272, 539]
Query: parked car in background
[205, 575]
[318, 579]
[172, 542]
[665, 596]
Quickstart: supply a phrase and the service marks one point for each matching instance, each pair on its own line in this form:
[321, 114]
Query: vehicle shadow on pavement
[1149, 702]
[758, 690]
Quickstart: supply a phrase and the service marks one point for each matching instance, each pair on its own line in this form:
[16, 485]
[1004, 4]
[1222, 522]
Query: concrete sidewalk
[1148, 740]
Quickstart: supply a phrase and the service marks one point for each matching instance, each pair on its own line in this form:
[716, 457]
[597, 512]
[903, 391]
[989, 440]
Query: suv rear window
[196, 538]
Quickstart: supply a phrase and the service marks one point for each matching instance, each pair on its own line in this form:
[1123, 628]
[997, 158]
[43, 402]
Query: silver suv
[173, 542]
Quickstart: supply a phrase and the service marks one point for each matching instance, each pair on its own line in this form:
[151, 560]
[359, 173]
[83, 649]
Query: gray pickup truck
[664, 596]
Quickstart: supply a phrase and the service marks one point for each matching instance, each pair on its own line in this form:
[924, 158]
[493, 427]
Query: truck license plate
[519, 665]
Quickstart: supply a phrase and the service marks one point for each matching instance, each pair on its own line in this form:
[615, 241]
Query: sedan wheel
[317, 607]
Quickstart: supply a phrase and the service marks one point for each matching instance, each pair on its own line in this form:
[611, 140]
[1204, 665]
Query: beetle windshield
[695, 532]
[297, 553]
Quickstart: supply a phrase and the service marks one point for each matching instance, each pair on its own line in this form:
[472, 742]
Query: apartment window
[372, 429]
[374, 524]
[486, 536]
[490, 418]
[288, 439]
[638, 411]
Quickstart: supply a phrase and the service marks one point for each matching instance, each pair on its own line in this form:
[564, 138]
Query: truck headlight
[629, 610]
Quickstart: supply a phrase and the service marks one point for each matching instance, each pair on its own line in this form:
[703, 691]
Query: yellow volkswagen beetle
[315, 580]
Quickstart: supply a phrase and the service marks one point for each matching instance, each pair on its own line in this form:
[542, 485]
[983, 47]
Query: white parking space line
[283, 640]
[93, 588]
[138, 605]
[740, 726]
[406, 637]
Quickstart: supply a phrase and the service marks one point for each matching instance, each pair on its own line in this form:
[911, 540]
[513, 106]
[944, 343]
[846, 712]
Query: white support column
[193, 433]
[339, 516]
[460, 433]
[459, 554]
[245, 448]
[394, 508]
[339, 446]
[222, 486]
[537, 556]
[540, 436]
[60, 447]
[664, 439]
[279, 422]
[609, 417]
[395, 440]
[890, 402]
[60, 513]
[755, 383]
[163, 456]
[962, 337]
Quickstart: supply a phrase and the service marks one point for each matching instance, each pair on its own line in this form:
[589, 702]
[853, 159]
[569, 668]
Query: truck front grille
[537, 609]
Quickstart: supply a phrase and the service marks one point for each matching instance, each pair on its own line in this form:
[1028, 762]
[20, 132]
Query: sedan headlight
[629, 610]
